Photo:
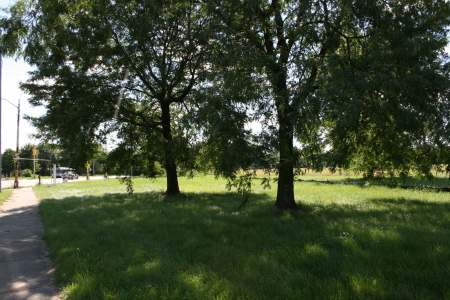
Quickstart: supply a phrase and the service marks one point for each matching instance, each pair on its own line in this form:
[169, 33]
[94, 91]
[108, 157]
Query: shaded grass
[355, 243]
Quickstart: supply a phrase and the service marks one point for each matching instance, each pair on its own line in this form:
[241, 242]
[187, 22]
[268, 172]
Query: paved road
[33, 182]
[26, 273]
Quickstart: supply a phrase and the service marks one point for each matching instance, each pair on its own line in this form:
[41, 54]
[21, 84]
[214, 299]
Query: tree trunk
[172, 178]
[169, 152]
[285, 193]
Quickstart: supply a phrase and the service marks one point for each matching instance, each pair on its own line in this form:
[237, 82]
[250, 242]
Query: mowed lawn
[351, 243]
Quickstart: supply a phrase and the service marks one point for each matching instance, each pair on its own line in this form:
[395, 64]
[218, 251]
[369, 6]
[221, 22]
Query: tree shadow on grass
[145, 246]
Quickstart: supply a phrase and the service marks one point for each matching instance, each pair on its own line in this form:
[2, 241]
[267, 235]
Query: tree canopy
[26, 151]
[389, 102]
[336, 82]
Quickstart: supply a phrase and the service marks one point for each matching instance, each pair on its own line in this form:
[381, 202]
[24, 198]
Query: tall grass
[352, 243]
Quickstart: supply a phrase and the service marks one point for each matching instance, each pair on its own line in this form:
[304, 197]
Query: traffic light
[33, 151]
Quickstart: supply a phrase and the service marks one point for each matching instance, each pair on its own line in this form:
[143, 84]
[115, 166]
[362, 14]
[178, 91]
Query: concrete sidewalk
[25, 269]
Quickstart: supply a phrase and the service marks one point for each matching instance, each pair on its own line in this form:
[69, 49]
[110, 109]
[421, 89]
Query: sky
[13, 73]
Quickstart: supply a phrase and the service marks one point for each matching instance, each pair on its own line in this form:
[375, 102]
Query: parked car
[61, 170]
[70, 175]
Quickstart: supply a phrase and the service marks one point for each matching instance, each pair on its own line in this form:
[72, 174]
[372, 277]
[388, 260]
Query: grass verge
[4, 195]
[354, 243]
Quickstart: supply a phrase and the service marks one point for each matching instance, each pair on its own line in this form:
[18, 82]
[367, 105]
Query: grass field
[352, 243]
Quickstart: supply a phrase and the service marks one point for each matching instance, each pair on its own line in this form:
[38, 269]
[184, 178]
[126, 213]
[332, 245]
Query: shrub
[27, 173]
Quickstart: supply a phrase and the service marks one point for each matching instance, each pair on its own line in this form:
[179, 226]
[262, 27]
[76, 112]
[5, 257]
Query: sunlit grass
[4, 195]
[352, 243]
[439, 180]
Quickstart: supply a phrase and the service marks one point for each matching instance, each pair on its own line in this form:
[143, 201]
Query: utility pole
[34, 163]
[87, 165]
[16, 180]
[1, 165]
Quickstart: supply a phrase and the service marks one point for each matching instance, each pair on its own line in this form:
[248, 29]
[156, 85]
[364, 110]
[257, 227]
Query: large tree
[8, 162]
[139, 58]
[287, 43]
[361, 77]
